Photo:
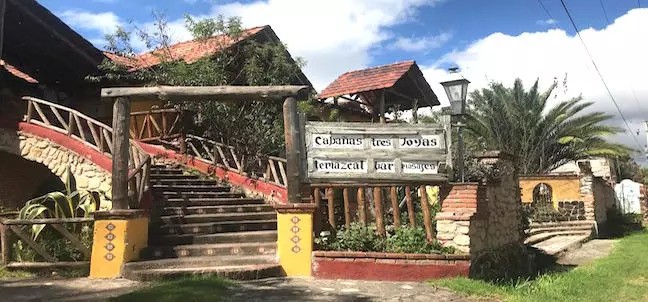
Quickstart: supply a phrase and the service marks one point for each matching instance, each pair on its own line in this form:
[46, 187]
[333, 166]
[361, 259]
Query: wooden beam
[121, 146]
[208, 93]
[293, 150]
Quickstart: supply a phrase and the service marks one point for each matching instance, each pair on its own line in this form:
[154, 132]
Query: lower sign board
[374, 153]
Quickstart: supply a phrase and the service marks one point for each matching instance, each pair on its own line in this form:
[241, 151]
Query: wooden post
[121, 146]
[331, 207]
[395, 209]
[347, 208]
[381, 105]
[6, 245]
[380, 225]
[415, 111]
[293, 150]
[361, 206]
[317, 220]
[427, 220]
[410, 206]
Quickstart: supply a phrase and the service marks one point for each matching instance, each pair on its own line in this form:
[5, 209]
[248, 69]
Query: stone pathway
[590, 251]
[307, 289]
[559, 244]
[59, 289]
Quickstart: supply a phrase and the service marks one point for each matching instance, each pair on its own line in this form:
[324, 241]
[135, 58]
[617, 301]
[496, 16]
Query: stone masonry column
[586, 180]
[458, 205]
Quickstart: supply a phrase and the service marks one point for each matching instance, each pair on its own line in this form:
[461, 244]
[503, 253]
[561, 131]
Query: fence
[15, 230]
[366, 204]
[94, 135]
[155, 124]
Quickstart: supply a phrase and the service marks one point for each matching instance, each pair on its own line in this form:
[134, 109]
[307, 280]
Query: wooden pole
[395, 209]
[362, 212]
[331, 207]
[380, 225]
[6, 245]
[410, 206]
[317, 220]
[121, 146]
[381, 105]
[427, 220]
[293, 150]
[347, 208]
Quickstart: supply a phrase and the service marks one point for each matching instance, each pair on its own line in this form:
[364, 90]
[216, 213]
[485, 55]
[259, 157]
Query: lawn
[185, 290]
[12, 275]
[622, 276]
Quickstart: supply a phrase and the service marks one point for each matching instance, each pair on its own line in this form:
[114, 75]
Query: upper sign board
[374, 153]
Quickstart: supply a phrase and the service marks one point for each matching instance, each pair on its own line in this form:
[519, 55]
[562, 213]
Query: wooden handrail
[90, 132]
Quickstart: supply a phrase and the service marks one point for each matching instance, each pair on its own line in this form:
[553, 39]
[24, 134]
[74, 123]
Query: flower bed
[388, 266]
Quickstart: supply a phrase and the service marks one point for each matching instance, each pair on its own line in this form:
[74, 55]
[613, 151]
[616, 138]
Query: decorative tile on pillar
[295, 230]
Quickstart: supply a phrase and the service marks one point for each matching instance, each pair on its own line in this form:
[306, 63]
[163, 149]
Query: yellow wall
[562, 187]
[295, 242]
[115, 243]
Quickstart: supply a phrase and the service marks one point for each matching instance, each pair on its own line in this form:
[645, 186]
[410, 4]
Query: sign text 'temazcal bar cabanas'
[356, 152]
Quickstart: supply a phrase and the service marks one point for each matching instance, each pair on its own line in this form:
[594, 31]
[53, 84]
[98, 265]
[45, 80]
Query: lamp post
[457, 91]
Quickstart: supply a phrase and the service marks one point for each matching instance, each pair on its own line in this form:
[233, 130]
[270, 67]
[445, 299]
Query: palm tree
[520, 122]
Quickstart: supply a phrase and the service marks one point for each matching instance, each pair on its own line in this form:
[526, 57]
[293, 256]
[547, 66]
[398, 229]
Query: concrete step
[204, 218]
[157, 176]
[192, 210]
[558, 245]
[232, 237]
[539, 237]
[188, 195]
[189, 188]
[217, 227]
[166, 171]
[238, 272]
[185, 182]
[209, 250]
[537, 230]
[194, 262]
[562, 223]
[198, 202]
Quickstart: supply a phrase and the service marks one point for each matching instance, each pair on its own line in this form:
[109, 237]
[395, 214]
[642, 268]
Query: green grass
[622, 276]
[8, 275]
[185, 290]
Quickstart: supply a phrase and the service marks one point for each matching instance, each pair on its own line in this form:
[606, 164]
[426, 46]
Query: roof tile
[17, 73]
[374, 78]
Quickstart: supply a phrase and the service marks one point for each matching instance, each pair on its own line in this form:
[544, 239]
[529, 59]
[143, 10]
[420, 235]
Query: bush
[619, 224]
[413, 240]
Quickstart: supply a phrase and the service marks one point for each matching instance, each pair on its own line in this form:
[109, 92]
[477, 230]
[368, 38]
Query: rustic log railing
[155, 124]
[93, 134]
[272, 169]
[12, 230]
[367, 204]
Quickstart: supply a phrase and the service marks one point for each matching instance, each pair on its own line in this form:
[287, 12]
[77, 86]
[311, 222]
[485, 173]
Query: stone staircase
[555, 238]
[201, 227]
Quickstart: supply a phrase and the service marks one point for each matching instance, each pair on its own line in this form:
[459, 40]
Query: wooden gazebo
[397, 86]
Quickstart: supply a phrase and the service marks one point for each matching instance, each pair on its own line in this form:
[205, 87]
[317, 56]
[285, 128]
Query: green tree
[254, 128]
[520, 122]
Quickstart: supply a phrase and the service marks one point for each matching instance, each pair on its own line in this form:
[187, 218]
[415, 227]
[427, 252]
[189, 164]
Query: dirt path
[59, 289]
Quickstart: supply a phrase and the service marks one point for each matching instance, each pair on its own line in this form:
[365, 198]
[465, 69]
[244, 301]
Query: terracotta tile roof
[373, 78]
[189, 51]
[17, 73]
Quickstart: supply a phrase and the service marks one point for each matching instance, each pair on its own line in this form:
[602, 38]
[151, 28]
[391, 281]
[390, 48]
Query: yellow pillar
[119, 236]
[295, 238]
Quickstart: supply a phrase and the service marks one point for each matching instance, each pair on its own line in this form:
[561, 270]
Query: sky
[488, 40]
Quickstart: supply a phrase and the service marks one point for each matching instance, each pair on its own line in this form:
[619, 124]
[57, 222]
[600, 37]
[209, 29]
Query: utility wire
[546, 10]
[607, 19]
[598, 71]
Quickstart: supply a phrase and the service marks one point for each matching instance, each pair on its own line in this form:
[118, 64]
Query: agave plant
[69, 204]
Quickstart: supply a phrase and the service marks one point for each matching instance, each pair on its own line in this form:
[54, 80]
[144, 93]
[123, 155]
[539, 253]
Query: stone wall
[479, 217]
[56, 158]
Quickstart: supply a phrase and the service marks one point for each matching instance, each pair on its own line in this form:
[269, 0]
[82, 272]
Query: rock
[82, 182]
[95, 183]
[42, 144]
[446, 226]
[463, 230]
[25, 150]
[462, 240]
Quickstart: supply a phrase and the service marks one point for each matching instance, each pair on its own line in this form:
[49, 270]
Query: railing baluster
[410, 206]
[209, 153]
[155, 124]
[80, 126]
[30, 111]
[273, 169]
[282, 170]
[236, 161]
[222, 156]
[71, 123]
[164, 125]
[361, 206]
[41, 114]
[378, 207]
[58, 116]
[393, 196]
[347, 207]
[317, 200]
[331, 207]
[427, 219]
[93, 131]
[107, 137]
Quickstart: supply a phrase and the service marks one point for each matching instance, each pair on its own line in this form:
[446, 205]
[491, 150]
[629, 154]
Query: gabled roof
[17, 73]
[403, 82]
[189, 51]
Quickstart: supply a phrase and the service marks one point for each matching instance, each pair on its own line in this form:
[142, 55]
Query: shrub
[413, 240]
[358, 238]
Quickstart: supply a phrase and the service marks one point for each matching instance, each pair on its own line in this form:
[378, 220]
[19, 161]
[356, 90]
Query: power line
[607, 19]
[600, 74]
[546, 10]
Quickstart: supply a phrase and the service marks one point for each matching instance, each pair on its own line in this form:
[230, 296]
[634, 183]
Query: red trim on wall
[74, 145]
[388, 269]
[277, 193]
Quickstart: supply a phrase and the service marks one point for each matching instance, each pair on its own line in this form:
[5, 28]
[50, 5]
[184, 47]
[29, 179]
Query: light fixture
[457, 91]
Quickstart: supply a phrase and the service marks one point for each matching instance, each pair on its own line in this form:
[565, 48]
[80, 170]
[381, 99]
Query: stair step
[185, 195]
[193, 262]
[156, 176]
[537, 230]
[242, 272]
[243, 208]
[232, 237]
[562, 223]
[184, 182]
[218, 227]
[202, 250]
[192, 202]
[200, 218]
[190, 188]
[539, 237]
[166, 171]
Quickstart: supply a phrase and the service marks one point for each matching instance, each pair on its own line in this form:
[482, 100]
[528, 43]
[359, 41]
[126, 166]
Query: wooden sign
[375, 153]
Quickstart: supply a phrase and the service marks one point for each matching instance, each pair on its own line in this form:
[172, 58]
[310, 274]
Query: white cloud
[103, 23]
[618, 49]
[333, 36]
[548, 22]
[421, 44]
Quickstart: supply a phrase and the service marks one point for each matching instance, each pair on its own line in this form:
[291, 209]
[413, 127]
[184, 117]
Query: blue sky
[488, 40]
